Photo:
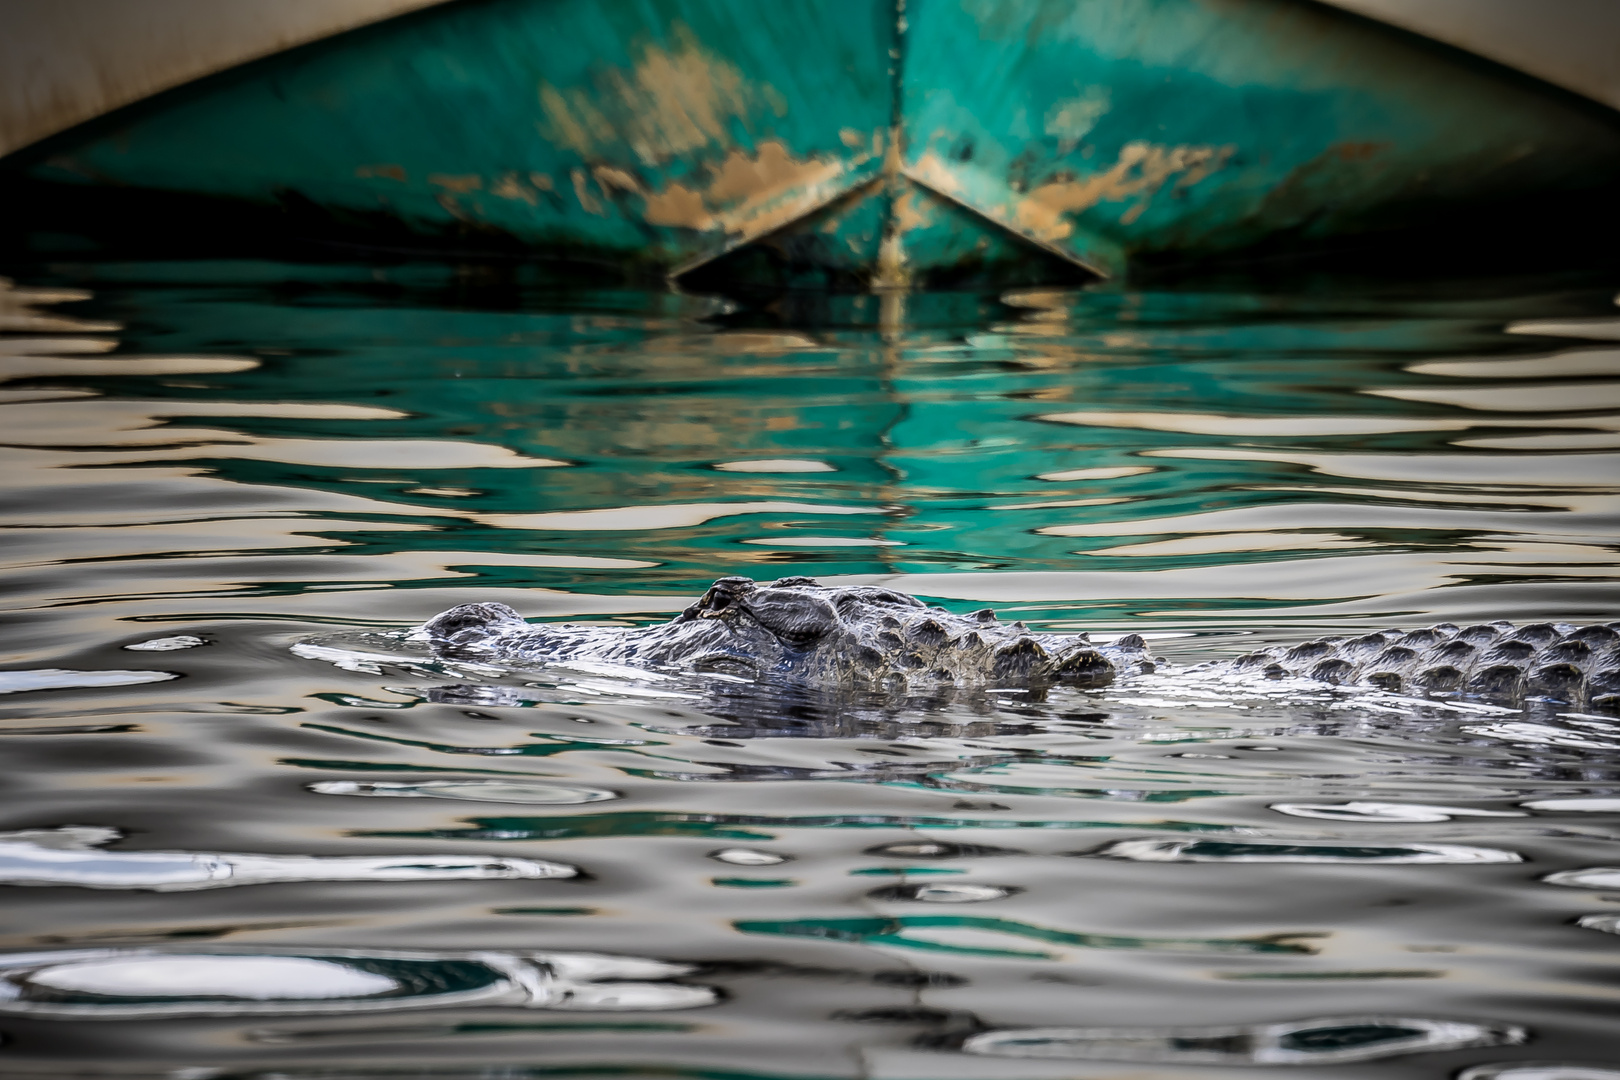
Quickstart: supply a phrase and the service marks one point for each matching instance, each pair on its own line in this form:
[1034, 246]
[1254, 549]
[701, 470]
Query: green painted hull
[863, 142]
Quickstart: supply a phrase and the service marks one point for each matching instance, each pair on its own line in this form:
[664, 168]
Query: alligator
[797, 631]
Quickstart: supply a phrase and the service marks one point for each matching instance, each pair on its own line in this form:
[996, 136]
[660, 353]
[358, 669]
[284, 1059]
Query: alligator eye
[721, 595]
[794, 617]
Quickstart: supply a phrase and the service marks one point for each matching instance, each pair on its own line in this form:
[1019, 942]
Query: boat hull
[849, 142]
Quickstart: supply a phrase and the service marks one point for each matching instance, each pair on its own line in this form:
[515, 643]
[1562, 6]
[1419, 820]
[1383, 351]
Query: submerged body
[867, 637]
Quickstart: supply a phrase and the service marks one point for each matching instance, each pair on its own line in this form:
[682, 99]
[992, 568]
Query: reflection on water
[1325, 1041]
[130, 983]
[73, 856]
[210, 465]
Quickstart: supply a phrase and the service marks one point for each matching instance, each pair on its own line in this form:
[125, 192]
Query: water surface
[309, 865]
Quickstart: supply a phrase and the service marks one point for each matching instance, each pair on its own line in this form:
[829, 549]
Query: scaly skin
[1498, 662]
[867, 637]
[796, 629]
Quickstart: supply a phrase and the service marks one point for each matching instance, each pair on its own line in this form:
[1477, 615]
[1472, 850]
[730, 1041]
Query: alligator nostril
[471, 621]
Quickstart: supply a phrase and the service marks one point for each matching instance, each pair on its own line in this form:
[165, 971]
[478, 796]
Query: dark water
[1320, 883]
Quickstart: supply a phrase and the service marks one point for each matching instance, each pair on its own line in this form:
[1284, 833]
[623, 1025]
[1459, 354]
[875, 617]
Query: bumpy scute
[1575, 666]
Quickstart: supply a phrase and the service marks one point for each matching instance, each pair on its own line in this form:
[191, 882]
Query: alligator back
[1497, 661]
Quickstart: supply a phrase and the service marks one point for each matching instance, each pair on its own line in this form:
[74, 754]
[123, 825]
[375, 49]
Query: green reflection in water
[894, 931]
[751, 883]
[1073, 434]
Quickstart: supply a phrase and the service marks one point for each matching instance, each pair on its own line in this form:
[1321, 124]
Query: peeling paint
[1141, 169]
[677, 206]
[670, 102]
[1358, 151]
[1072, 119]
[771, 170]
[587, 202]
[750, 194]
[542, 182]
[931, 171]
[891, 271]
[448, 202]
[910, 212]
[609, 179]
[458, 184]
[385, 172]
[511, 186]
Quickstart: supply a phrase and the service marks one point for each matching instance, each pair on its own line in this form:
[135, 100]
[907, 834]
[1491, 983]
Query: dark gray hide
[868, 637]
[797, 629]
